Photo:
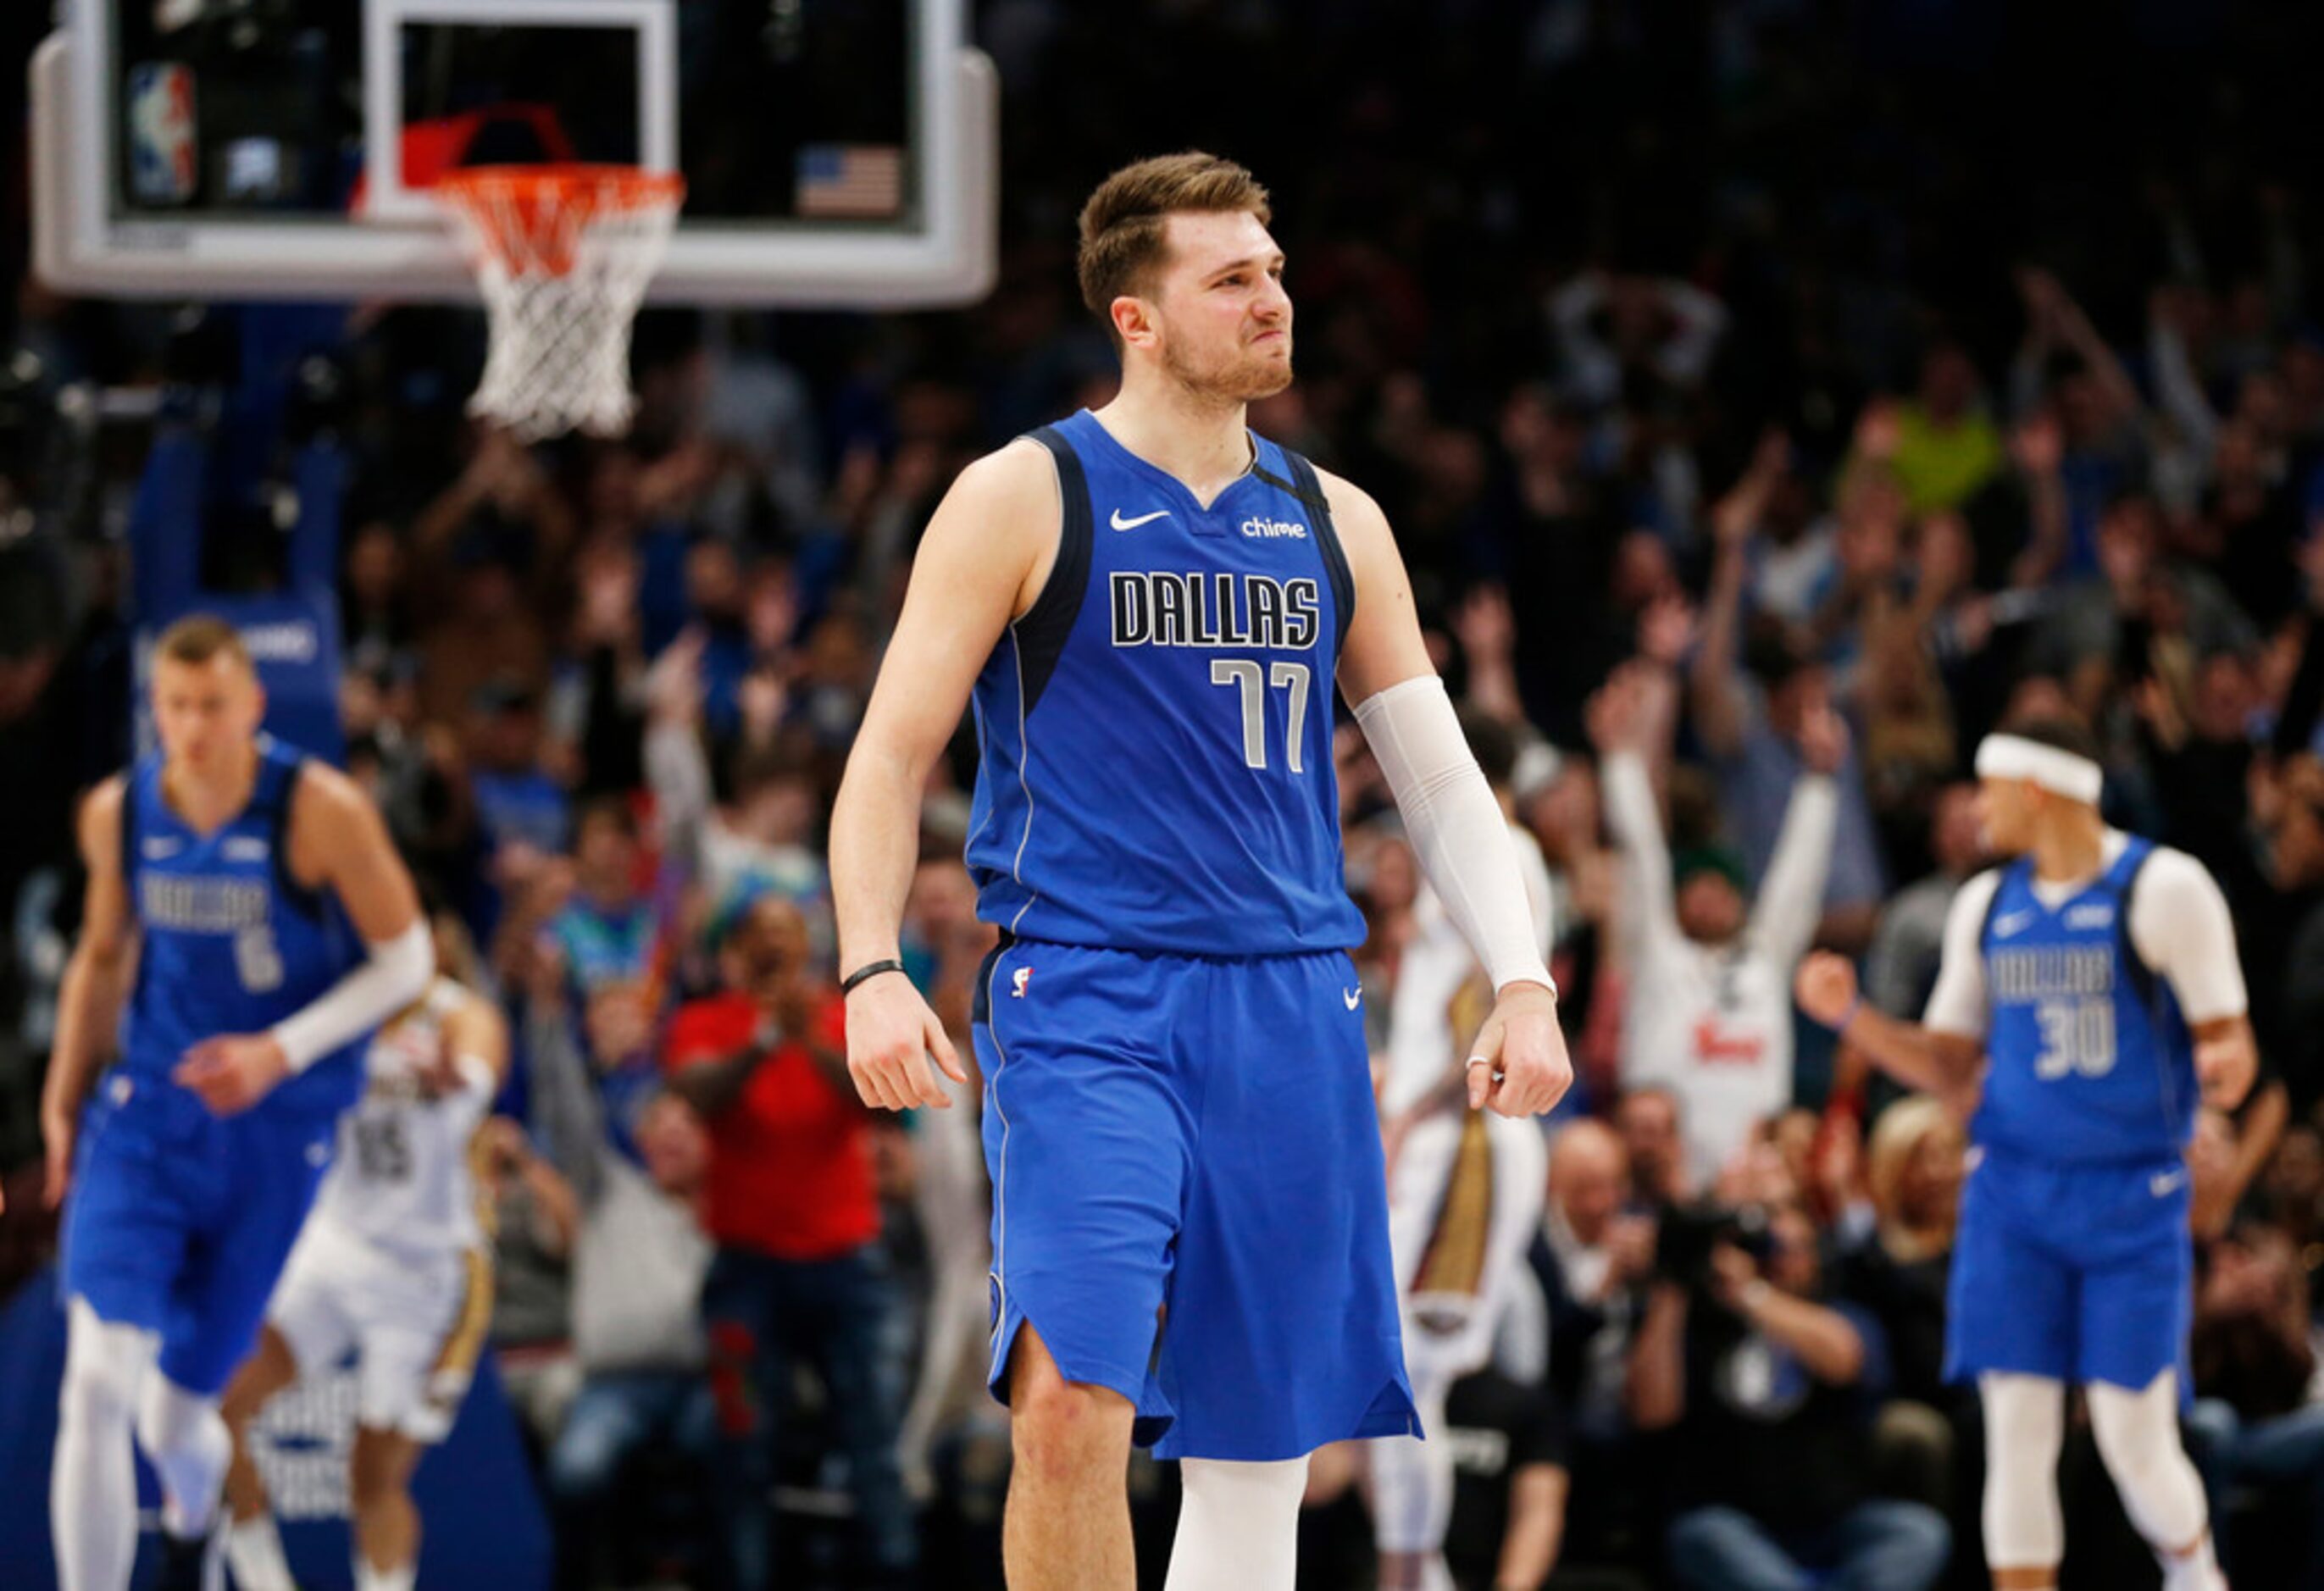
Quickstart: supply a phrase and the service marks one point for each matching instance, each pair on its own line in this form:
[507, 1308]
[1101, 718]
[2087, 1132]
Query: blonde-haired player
[393, 1263]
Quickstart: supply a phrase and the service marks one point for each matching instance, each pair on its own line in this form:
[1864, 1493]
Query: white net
[563, 254]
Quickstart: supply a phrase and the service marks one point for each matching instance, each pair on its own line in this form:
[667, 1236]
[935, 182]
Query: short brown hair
[197, 638]
[1122, 237]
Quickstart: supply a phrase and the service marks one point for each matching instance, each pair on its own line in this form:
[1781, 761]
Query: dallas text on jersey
[1157, 608]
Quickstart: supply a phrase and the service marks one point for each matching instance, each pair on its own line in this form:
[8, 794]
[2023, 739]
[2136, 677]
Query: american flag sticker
[857, 181]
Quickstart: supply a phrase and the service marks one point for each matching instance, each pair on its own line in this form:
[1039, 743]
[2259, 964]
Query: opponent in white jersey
[1709, 1014]
[1465, 1194]
[394, 1262]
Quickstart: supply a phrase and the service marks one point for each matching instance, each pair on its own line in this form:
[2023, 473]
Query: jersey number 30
[2076, 1038]
[1252, 686]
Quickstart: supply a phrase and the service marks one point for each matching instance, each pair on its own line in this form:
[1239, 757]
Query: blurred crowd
[1770, 398]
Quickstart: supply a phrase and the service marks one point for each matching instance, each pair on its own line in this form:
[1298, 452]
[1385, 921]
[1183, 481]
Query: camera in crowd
[1687, 1235]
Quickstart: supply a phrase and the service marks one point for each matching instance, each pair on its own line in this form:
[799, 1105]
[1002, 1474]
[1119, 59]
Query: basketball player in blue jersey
[247, 924]
[2089, 997]
[1149, 606]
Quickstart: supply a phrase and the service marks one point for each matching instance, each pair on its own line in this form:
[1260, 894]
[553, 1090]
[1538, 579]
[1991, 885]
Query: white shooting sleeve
[394, 973]
[1458, 833]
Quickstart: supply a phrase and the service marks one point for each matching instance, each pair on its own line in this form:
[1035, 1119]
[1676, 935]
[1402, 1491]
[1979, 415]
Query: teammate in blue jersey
[2090, 1000]
[1149, 606]
[247, 924]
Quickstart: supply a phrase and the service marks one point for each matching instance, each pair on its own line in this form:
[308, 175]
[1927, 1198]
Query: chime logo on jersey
[1158, 608]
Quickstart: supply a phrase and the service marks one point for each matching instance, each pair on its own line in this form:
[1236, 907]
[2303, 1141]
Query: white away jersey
[402, 1179]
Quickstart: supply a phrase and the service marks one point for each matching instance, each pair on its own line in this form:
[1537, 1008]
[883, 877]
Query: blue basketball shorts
[2077, 1273]
[1189, 1204]
[179, 1221]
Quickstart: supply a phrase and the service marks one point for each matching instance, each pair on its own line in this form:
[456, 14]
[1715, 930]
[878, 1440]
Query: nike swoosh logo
[1119, 523]
[2165, 1184]
[1354, 997]
[2010, 922]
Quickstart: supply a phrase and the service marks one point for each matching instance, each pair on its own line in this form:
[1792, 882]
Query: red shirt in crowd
[790, 1160]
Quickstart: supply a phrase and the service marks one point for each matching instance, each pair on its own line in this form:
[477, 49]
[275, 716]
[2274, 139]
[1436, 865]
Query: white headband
[2060, 772]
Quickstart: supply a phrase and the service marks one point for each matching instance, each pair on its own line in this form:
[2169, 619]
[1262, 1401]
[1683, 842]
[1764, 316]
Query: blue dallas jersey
[2091, 1059]
[1156, 729]
[229, 942]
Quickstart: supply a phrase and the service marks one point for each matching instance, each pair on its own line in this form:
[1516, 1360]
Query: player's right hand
[892, 1031]
[231, 1072]
[1825, 987]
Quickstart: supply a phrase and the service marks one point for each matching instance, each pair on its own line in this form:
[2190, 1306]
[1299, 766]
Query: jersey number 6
[257, 959]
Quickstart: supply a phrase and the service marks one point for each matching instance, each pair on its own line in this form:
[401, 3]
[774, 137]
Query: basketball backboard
[836, 152]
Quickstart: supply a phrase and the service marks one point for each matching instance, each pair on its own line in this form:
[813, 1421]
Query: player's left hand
[233, 1071]
[1519, 1065]
[2225, 1064]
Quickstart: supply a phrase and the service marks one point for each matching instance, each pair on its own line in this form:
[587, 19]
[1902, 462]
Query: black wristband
[870, 969]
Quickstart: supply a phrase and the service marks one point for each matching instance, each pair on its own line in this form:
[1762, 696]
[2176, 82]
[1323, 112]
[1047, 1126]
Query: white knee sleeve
[92, 1491]
[2138, 1437]
[1237, 1526]
[186, 1442]
[2025, 1427]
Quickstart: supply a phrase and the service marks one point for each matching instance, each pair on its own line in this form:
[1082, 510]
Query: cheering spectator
[1755, 728]
[1947, 447]
[606, 933]
[1709, 1001]
[638, 1265]
[791, 1205]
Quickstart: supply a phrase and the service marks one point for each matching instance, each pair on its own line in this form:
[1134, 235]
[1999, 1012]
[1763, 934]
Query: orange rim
[531, 217]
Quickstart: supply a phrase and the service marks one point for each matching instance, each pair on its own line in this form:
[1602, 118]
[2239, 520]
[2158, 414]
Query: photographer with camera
[1772, 1390]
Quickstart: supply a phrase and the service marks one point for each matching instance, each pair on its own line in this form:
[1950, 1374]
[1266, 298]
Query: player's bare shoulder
[99, 824]
[325, 806]
[333, 835]
[1356, 514]
[1384, 644]
[999, 519]
[108, 918]
[1365, 538]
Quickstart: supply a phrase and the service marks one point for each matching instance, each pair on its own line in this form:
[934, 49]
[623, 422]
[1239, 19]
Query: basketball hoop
[563, 254]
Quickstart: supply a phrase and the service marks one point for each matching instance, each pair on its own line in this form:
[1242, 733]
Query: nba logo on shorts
[1017, 980]
[162, 133]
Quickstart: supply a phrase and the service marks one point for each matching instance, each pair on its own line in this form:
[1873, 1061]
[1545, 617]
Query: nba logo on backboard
[1019, 979]
[162, 133]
